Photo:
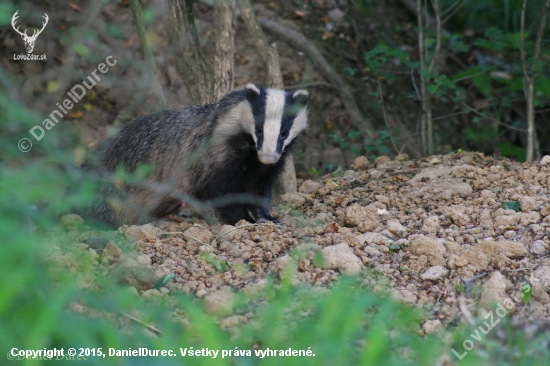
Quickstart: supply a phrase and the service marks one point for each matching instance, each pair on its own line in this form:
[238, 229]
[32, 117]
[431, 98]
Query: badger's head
[279, 117]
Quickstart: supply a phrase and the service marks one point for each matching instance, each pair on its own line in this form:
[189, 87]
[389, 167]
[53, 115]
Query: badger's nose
[267, 159]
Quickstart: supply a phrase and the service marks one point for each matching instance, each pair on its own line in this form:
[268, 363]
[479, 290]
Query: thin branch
[309, 85]
[141, 322]
[267, 52]
[147, 54]
[224, 24]
[454, 12]
[522, 41]
[300, 42]
[435, 5]
[490, 118]
[540, 33]
[421, 52]
[384, 112]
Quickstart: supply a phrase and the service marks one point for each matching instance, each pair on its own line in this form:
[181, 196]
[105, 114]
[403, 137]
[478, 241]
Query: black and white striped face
[279, 117]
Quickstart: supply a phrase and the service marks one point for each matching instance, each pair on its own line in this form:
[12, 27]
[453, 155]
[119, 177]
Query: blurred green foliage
[347, 324]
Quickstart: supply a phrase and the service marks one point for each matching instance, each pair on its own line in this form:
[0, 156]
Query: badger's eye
[259, 131]
[284, 134]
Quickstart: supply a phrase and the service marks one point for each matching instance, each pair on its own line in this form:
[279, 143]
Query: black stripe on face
[258, 102]
[292, 107]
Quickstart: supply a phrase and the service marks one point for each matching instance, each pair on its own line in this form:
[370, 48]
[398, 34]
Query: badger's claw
[263, 215]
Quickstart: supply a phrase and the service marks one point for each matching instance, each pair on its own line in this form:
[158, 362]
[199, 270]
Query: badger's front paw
[263, 215]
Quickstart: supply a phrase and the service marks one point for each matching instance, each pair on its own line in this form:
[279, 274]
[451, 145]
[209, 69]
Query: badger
[233, 149]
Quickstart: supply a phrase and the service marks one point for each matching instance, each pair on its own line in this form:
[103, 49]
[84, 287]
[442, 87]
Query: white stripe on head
[237, 119]
[299, 124]
[274, 109]
[253, 87]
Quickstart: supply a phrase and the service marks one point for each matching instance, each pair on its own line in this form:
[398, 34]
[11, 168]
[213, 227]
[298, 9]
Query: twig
[454, 11]
[435, 5]
[384, 111]
[423, 91]
[310, 85]
[297, 40]
[490, 118]
[147, 54]
[528, 87]
[473, 279]
[141, 322]
[518, 269]
[464, 309]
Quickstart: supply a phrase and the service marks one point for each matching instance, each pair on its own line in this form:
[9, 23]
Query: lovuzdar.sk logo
[29, 40]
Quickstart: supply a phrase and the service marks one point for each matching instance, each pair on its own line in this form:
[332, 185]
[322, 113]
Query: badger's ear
[252, 91]
[301, 96]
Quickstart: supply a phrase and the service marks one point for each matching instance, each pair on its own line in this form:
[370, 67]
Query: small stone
[373, 238]
[233, 321]
[545, 161]
[538, 247]
[198, 234]
[283, 262]
[151, 294]
[494, 291]
[342, 258]
[396, 228]
[293, 199]
[220, 302]
[434, 273]
[111, 252]
[142, 278]
[527, 204]
[401, 157]
[143, 232]
[71, 221]
[429, 247]
[542, 276]
[365, 218]
[310, 186]
[360, 163]
[432, 326]
[97, 242]
[143, 260]
[381, 160]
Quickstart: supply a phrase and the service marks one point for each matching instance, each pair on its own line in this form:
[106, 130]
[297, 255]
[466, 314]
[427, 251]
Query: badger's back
[165, 138]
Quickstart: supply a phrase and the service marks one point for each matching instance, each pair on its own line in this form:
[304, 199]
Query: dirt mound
[456, 234]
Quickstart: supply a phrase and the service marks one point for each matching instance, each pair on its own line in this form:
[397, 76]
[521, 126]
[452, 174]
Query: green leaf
[466, 73]
[148, 15]
[164, 280]
[395, 247]
[114, 30]
[526, 292]
[512, 205]
[483, 83]
[82, 50]
[353, 134]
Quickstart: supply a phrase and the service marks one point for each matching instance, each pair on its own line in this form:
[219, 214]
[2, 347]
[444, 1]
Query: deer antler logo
[29, 40]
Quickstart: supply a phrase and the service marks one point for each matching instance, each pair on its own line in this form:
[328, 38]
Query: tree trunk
[192, 67]
[270, 57]
[147, 54]
[224, 52]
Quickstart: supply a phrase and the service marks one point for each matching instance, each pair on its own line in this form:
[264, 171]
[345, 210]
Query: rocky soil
[454, 234]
